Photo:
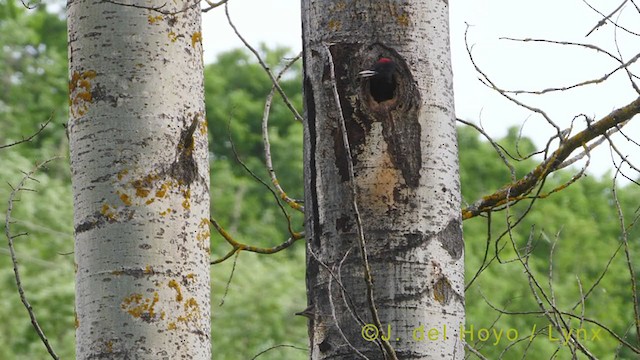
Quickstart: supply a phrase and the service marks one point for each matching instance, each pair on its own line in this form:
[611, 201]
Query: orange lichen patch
[117, 272]
[190, 276]
[148, 269]
[140, 307]
[142, 192]
[124, 198]
[196, 38]
[191, 311]
[80, 91]
[122, 173]
[109, 346]
[108, 211]
[172, 326]
[166, 212]
[204, 233]
[172, 36]
[154, 19]
[143, 186]
[160, 193]
[186, 204]
[175, 286]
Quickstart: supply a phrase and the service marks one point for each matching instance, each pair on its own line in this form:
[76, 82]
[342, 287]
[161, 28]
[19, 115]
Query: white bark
[405, 160]
[140, 173]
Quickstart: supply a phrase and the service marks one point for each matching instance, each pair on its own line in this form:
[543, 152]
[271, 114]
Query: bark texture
[405, 158]
[139, 162]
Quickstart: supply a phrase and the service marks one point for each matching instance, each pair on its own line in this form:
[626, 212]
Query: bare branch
[258, 179]
[606, 18]
[490, 84]
[267, 146]
[623, 65]
[226, 287]
[513, 192]
[277, 347]
[14, 259]
[625, 242]
[264, 66]
[30, 137]
[237, 246]
[213, 5]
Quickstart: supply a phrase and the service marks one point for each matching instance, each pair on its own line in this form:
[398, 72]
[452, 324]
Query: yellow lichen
[191, 311]
[196, 38]
[138, 306]
[125, 199]
[154, 19]
[175, 286]
[122, 173]
[162, 191]
[172, 36]
[80, 91]
[186, 204]
[107, 211]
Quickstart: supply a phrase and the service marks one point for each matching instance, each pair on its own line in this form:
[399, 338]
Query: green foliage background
[265, 291]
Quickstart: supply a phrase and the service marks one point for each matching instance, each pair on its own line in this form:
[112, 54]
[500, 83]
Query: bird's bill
[367, 73]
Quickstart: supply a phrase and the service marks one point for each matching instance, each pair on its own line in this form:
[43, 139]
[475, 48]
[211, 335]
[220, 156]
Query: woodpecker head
[381, 82]
[383, 69]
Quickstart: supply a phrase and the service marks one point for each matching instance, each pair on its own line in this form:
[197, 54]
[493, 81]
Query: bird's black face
[381, 79]
[384, 69]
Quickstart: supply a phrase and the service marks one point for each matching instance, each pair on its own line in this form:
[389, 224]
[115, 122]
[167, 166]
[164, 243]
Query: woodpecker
[381, 82]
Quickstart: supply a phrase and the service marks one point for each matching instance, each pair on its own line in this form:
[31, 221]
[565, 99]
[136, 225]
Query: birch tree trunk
[405, 170]
[140, 173]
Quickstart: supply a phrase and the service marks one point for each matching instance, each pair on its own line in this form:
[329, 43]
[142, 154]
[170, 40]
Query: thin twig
[264, 66]
[625, 242]
[279, 346]
[14, 259]
[237, 246]
[606, 18]
[354, 204]
[258, 179]
[267, 146]
[30, 137]
[233, 270]
[513, 191]
[623, 65]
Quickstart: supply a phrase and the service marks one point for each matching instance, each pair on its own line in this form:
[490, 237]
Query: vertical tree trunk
[140, 175]
[405, 168]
